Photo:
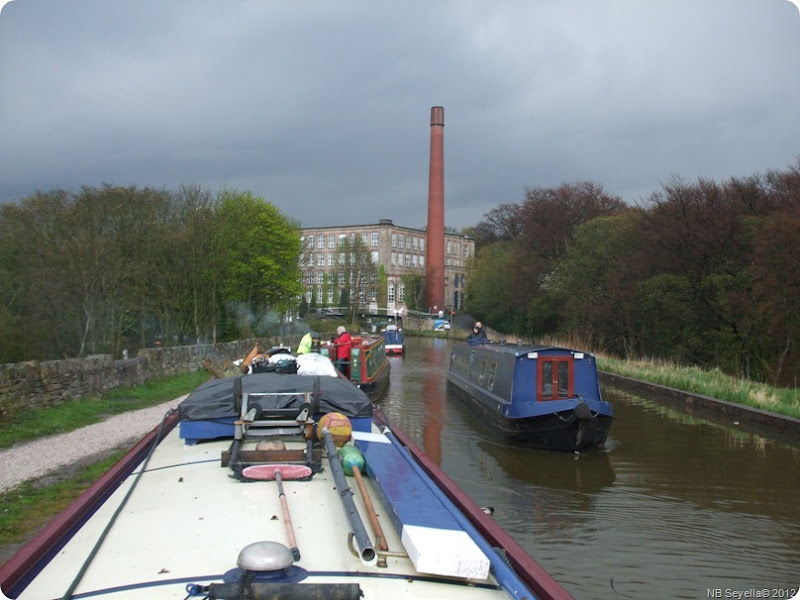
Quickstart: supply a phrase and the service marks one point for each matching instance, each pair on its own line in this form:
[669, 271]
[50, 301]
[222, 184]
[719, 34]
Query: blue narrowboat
[537, 396]
[395, 344]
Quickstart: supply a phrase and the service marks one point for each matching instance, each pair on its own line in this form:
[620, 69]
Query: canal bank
[724, 412]
[672, 507]
[746, 418]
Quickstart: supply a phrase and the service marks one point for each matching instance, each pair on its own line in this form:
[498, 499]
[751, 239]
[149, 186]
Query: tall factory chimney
[434, 252]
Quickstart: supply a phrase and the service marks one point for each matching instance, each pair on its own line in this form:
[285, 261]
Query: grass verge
[31, 505]
[76, 413]
[713, 383]
[707, 382]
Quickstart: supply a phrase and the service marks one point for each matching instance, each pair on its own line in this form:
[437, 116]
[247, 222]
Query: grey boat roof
[519, 349]
[214, 399]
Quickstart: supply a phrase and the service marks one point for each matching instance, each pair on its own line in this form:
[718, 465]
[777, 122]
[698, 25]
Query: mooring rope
[112, 520]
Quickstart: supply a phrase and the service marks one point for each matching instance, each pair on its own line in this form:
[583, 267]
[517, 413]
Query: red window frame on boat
[556, 369]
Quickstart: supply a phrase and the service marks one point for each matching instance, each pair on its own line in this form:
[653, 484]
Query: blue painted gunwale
[471, 516]
[416, 500]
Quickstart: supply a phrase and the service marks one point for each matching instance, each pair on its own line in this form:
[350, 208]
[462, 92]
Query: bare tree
[359, 273]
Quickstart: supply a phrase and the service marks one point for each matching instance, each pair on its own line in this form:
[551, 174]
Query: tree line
[112, 268]
[701, 273]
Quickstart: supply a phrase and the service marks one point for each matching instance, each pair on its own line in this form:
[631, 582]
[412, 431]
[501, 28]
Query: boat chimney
[434, 251]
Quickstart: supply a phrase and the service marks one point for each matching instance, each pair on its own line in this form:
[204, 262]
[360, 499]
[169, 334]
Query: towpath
[61, 454]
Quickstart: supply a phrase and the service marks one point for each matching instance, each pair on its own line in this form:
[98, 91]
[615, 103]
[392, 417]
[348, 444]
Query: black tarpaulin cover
[214, 399]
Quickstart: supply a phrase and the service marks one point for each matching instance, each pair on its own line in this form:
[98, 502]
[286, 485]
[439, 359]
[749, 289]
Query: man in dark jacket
[478, 335]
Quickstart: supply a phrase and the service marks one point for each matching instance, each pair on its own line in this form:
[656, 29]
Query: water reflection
[704, 463]
[434, 402]
[584, 474]
[672, 507]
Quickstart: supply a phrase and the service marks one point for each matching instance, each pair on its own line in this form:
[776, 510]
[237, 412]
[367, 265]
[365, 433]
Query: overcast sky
[323, 108]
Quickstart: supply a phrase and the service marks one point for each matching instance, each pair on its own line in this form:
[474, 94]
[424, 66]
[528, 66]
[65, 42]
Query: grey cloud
[323, 108]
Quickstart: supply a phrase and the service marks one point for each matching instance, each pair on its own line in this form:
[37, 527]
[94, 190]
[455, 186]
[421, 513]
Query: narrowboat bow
[538, 396]
[274, 509]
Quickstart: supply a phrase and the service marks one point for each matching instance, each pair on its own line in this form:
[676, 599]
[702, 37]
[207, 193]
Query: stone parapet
[36, 384]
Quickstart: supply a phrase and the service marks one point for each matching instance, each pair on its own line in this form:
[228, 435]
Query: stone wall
[417, 324]
[35, 384]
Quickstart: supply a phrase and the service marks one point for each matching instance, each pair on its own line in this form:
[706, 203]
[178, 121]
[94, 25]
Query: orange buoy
[339, 427]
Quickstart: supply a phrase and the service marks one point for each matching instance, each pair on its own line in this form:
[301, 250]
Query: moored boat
[395, 343]
[538, 396]
[368, 364]
[294, 502]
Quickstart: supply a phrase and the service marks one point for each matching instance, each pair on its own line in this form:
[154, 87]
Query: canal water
[671, 507]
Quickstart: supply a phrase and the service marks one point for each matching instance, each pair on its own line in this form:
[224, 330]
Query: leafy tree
[78, 266]
[195, 225]
[548, 217]
[536, 233]
[109, 259]
[260, 248]
[489, 292]
[668, 318]
[383, 288]
[32, 235]
[302, 307]
[327, 283]
[113, 267]
[776, 289]
[414, 286]
[699, 232]
[595, 282]
[500, 224]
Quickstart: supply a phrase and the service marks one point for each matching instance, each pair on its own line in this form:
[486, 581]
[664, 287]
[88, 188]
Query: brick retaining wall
[35, 384]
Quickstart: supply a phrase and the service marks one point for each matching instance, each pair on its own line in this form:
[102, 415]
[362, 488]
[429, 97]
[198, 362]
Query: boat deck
[187, 520]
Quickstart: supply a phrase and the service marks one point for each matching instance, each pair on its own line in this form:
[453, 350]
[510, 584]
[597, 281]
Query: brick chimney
[434, 250]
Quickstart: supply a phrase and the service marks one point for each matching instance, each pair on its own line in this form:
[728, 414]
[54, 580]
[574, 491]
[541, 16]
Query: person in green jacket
[305, 344]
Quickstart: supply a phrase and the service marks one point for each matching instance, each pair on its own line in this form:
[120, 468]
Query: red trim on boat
[30, 559]
[555, 384]
[531, 572]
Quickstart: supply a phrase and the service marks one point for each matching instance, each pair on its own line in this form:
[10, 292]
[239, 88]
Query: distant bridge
[410, 319]
[334, 312]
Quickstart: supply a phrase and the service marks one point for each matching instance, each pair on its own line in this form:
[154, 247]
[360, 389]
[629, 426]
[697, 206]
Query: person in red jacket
[342, 344]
